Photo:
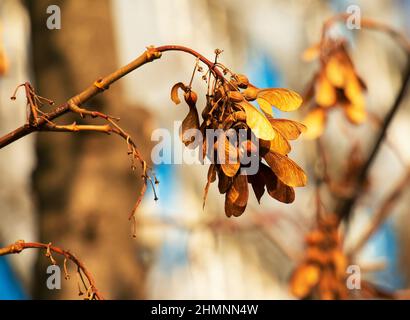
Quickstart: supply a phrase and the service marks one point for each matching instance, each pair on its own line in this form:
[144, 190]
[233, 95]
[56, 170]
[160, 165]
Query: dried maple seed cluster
[229, 112]
[322, 273]
[335, 84]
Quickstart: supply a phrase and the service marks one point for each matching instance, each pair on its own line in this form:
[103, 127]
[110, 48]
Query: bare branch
[20, 245]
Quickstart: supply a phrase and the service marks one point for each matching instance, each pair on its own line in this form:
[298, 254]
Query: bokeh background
[76, 190]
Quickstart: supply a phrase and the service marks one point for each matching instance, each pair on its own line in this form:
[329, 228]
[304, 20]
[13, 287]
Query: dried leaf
[340, 262]
[315, 123]
[224, 183]
[291, 130]
[258, 183]
[327, 285]
[258, 123]
[237, 196]
[316, 254]
[174, 92]
[315, 237]
[304, 279]
[355, 113]
[286, 170]
[191, 121]
[353, 89]
[325, 92]
[282, 99]
[277, 144]
[248, 148]
[265, 106]
[336, 71]
[276, 188]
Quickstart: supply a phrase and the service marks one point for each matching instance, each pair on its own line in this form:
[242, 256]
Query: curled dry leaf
[174, 92]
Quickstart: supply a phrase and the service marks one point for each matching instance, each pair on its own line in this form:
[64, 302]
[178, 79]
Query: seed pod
[242, 81]
[251, 93]
[235, 96]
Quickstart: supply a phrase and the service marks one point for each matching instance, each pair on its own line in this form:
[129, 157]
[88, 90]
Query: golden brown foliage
[336, 84]
[229, 109]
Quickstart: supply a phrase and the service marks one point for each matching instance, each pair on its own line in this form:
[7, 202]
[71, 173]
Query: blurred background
[76, 191]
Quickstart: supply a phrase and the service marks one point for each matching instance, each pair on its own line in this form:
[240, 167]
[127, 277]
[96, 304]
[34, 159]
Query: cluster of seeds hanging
[229, 110]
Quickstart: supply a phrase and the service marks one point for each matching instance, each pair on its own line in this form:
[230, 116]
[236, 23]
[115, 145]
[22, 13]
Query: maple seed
[251, 93]
[227, 108]
[336, 84]
[235, 96]
[242, 81]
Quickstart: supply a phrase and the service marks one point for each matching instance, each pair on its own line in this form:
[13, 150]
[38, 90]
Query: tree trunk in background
[83, 182]
[18, 220]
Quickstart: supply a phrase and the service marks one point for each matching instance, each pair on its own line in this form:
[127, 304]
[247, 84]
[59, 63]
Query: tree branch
[20, 245]
[102, 84]
[345, 206]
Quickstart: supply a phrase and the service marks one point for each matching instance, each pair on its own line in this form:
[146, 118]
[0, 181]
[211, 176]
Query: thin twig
[20, 245]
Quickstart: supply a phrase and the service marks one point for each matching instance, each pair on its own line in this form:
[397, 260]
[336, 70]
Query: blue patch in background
[10, 286]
